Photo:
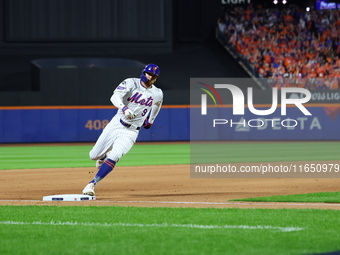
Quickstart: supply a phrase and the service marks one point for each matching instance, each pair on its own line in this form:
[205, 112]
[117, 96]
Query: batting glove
[128, 113]
[146, 123]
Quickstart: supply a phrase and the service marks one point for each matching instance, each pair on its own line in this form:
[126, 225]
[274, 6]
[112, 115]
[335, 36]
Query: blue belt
[127, 124]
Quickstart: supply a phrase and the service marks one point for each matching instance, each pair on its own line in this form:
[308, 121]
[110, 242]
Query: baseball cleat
[89, 190]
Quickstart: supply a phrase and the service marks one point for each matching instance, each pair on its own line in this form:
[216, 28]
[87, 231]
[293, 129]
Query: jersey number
[145, 111]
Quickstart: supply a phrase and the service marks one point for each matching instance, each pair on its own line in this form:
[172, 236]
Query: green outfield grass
[263, 152]
[133, 230]
[22, 157]
[320, 197]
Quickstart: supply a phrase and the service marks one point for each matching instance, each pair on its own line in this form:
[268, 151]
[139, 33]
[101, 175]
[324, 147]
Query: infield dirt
[156, 186]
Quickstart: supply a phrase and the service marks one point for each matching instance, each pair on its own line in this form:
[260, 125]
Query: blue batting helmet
[149, 68]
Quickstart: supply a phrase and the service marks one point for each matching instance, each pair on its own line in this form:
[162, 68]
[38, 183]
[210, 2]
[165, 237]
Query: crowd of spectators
[286, 43]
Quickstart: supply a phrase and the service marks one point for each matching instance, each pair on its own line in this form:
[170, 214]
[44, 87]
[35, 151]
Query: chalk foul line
[93, 224]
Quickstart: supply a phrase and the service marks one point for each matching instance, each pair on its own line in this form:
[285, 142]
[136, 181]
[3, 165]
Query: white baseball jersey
[138, 99]
[121, 133]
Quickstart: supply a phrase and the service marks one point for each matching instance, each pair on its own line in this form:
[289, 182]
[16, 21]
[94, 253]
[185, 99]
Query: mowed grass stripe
[22, 157]
[319, 197]
[129, 230]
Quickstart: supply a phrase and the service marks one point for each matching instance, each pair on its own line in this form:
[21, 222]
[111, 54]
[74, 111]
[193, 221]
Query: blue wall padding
[83, 125]
[172, 124]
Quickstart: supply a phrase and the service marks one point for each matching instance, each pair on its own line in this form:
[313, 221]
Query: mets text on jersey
[136, 99]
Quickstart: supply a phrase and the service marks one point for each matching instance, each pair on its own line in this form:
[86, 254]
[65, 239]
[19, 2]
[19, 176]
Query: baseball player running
[138, 101]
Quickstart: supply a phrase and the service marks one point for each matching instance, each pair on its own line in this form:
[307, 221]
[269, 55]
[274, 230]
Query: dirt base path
[155, 186]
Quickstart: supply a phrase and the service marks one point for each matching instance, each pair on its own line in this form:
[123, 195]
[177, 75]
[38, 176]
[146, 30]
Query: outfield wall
[85, 123]
[82, 124]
